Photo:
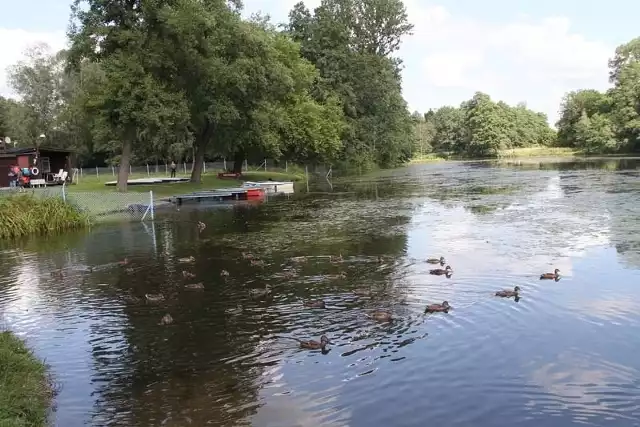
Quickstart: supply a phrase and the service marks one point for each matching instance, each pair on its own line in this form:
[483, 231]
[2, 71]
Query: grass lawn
[90, 183]
[25, 389]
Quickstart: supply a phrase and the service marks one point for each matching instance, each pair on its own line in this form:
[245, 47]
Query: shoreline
[520, 154]
[26, 390]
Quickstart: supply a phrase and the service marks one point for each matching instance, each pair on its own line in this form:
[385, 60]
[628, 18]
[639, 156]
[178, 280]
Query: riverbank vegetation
[23, 214]
[25, 388]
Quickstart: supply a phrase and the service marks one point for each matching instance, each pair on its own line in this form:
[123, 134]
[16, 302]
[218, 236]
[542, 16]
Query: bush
[21, 215]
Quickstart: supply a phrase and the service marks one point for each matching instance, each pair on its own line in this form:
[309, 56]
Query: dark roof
[28, 150]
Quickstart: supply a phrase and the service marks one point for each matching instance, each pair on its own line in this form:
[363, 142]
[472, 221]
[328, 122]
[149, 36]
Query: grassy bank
[209, 181]
[25, 389]
[22, 215]
[537, 151]
[540, 152]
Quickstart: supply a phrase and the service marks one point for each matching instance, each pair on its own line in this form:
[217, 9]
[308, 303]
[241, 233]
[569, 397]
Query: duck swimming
[315, 304]
[507, 293]
[186, 260]
[260, 292]
[312, 344]
[224, 273]
[194, 286]
[166, 320]
[154, 297]
[439, 271]
[436, 308]
[555, 275]
[440, 261]
[188, 275]
[381, 316]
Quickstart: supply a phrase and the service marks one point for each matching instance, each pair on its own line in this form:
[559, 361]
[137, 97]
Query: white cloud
[15, 42]
[532, 61]
[449, 56]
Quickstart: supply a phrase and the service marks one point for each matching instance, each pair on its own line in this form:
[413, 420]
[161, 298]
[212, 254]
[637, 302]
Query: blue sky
[532, 51]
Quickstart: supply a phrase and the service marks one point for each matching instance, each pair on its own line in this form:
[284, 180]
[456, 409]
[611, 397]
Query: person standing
[173, 169]
[12, 177]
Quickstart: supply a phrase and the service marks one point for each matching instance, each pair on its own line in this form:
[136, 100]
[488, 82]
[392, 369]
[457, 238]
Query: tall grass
[22, 215]
[25, 389]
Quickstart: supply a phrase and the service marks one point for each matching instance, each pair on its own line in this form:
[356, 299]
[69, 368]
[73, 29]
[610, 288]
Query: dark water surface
[566, 353]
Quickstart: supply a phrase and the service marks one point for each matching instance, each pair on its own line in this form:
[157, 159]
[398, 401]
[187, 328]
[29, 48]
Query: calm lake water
[565, 353]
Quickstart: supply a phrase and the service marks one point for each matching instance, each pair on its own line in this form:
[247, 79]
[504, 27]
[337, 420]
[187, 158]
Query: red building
[42, 163]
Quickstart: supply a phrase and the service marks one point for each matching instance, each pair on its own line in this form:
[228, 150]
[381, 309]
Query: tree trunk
[198, 159]
[238, 160]
[200, 147]
[123, 172]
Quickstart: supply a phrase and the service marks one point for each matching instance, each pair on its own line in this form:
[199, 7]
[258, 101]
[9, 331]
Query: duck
[440, 260]
[124, 261]
[507, 293]
[439, 271]
[224, 273]
[434, 308]
[315, 304]
[381, 316]
[194, 286]
[299, 259]
[187, 260]
[188, 275]
[154, 297]
[201, 225]
[312, 344]
[336, 259]
[234, 311]
[58, 273]
[257, 262]
[555, 275]
[166, 320]
[261, 292]
[246, 255]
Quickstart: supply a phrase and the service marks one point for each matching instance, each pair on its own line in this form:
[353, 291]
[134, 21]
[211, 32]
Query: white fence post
[286, 166]
[113, 171]
[265, 165]
[151, 205]
[97, 174]
[64, 194]
[185, 167]
[204, 167]
[246, 165]
[224, 164]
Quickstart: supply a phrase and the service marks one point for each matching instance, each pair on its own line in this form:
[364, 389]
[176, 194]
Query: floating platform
[221, 194]
[271, 187]
[149, 181]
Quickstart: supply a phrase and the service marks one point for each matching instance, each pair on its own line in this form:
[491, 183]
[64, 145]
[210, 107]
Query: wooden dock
[219, 195]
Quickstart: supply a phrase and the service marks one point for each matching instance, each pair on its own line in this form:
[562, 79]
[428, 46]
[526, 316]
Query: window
[46, 165]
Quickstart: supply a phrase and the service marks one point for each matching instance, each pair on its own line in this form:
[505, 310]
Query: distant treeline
[590, 121]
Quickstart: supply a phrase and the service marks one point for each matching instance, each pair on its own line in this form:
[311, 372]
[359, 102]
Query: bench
[38, 183]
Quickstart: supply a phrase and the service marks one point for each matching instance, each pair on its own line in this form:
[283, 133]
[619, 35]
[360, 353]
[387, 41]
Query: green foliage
[350, 43]
[482, 128]
[606, 122]
[23, 215]
[25, 390]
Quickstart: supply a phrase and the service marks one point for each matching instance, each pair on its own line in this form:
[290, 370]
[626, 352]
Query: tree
[350, 43]
[574, 105]
[37, 81]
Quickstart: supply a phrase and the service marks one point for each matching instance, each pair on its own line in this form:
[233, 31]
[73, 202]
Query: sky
[531, 51]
